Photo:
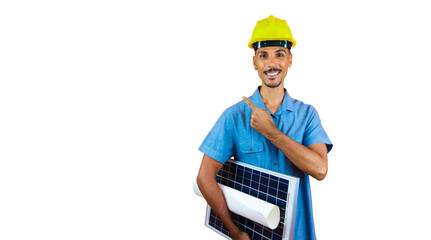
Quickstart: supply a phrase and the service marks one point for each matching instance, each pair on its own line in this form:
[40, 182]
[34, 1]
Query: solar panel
[272, 187]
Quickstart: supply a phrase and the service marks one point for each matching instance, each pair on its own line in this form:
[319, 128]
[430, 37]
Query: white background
[103, 105]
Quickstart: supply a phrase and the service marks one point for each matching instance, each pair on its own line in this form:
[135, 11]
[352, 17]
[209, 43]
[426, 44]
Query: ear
[254, 62]
[290, 59]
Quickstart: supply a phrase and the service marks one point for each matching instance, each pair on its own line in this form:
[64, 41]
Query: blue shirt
[232, 135]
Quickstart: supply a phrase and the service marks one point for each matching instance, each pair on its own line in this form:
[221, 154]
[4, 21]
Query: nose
[272, 61]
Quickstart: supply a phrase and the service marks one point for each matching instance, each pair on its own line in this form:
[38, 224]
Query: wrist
[234, 232]
[271, 132]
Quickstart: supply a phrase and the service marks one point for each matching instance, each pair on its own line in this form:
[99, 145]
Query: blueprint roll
[248, 206]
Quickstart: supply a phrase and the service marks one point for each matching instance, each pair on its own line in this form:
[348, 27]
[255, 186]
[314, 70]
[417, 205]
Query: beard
[272, 85]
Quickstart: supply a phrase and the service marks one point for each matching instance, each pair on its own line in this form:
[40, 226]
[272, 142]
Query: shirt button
[251, 149]
[275, 164]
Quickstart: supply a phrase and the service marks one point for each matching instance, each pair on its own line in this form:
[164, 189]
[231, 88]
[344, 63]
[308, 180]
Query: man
[269, 130]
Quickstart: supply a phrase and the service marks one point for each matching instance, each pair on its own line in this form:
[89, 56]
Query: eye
[263, 55]
[280, 55]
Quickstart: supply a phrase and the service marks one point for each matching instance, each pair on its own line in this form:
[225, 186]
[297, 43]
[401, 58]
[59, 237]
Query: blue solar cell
[240, 170]
[267, 233]
[254, 185]
[255, 176]
[264, 180]
[273, 182]
[253, 192]
[278, 231]
[247, 174]
[281, 194]
[246, 190]
[272, 200]
[263, 188]
[272, 192]
[283, 184]
[261, 196]
[246, 182]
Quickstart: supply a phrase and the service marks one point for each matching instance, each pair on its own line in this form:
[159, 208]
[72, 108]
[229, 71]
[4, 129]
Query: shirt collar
[286, 105]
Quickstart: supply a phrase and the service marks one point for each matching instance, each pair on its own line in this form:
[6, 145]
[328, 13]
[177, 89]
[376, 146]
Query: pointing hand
[261, 119]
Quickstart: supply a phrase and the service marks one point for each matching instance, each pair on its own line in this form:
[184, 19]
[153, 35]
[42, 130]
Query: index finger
[249, 103]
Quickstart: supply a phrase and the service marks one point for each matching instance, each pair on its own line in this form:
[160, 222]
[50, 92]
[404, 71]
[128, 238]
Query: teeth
[272, 74]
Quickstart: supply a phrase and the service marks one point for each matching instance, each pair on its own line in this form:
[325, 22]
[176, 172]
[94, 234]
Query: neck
[272, 97]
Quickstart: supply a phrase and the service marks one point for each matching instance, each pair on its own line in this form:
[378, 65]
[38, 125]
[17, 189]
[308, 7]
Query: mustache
[271, 70]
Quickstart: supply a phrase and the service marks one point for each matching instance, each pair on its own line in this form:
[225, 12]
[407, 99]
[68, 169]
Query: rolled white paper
[248, 206]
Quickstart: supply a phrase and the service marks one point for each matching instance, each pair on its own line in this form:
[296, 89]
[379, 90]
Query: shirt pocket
[251, 152]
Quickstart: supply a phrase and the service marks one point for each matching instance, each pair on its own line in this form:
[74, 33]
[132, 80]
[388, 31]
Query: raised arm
[312, 160]
[214, 196]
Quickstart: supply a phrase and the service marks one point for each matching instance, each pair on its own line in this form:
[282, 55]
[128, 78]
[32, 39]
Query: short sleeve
[314, 132]
[219, 143]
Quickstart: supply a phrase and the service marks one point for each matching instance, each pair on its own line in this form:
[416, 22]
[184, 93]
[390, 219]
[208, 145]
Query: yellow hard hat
[271, 31]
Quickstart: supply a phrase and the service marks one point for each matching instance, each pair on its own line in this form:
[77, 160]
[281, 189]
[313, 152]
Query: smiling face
[272, 64]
